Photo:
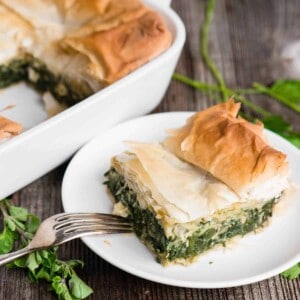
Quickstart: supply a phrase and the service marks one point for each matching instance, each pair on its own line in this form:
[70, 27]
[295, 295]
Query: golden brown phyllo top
[231, 149]
[108, 38]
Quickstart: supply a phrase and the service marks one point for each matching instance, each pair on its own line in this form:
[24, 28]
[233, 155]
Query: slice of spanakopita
[181, 203]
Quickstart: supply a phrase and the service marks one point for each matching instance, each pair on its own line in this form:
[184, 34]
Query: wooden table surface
[246, 41]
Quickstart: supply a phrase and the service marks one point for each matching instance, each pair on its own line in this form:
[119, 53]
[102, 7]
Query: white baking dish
[44, 146]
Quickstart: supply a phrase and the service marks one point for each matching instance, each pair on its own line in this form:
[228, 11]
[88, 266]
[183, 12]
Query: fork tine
[102, 231]
[90, 221]
[77, 234]
[83, 216]
[93, 226]
[65, 224]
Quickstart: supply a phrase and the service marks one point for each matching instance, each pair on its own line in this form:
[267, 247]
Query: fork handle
[6, 258]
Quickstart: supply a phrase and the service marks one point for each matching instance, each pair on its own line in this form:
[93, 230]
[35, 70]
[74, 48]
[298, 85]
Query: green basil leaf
[33, 222]
[79, 288]
[55, 268]
[75, 263]
[278, 125]
[65, 295]
[19, 224]
[56, 279]
[47, 261]
[10, 224]
[45, 253]
[18, 213]
[61, 289]
[293, 272]
[38, 257]
[32, 277]
[31, 262]
[287, 89]
[6, 240]
[286, 92]
[293, 137]
[57, 286]
[19, 262]
[43, 273]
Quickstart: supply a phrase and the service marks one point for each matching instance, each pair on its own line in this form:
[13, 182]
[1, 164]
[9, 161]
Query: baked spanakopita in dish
[8, 129]
[214, 179]
[75, 48]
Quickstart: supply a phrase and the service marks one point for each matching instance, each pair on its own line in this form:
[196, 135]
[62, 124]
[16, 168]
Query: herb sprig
[287, 92]
[19, 227]
[271, 121]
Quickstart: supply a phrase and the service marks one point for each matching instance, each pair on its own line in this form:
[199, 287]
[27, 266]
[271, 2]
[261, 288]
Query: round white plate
[252, 258]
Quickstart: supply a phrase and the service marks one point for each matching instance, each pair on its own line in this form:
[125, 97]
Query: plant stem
[207, 88]
[247, 91]
[3, 209]
[251, 105]
[201, 86]
[265, 90]
[209, 13]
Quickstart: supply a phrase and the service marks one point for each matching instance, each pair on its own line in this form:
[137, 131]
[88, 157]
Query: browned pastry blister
[116, 52]
[231, 149]
[97, 40]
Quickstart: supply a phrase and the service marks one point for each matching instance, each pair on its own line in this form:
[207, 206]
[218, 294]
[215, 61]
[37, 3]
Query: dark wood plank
[247, 38]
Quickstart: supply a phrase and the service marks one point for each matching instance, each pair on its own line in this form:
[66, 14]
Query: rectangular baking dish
[46, 145]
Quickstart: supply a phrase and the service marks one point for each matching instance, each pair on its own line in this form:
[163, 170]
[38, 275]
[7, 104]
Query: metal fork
[64, 227]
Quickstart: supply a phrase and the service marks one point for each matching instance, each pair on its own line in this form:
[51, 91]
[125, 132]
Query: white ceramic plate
[253, 258]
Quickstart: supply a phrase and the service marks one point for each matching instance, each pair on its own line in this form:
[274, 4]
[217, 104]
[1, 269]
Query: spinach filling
[198, 236]
[36, 73]
[14, 71]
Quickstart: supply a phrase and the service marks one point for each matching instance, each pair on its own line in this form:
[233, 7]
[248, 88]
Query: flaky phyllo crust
[231, 149]
[90, 43]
